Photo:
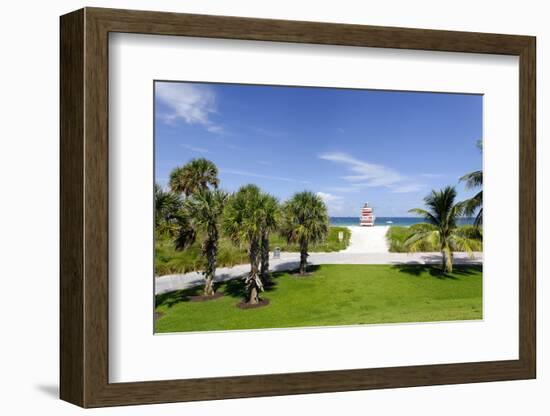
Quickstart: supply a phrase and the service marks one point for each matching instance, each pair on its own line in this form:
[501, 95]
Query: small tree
[305, 221]
[243, 221]
[195, 176]
[441, 229]
[270, 222]
[167, 205]
[201, 215]
[474, 180]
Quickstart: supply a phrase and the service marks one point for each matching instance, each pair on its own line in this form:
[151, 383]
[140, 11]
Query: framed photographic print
[255, 207]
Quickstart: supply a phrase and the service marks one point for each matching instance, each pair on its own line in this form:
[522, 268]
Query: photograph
[279, 207]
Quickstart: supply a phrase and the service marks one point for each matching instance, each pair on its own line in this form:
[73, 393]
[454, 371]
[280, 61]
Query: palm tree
[243, 222]
[270, 222]
[201, 215]
[197, 175]
[474, 180]
[305, 221]
[167, 205]
[441, 229]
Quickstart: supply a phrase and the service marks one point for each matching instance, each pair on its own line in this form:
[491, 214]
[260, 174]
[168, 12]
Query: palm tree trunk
[211, 248]
[264, 270]
[253, 281]
[253, 296]
[209, 287]
[303, 257]
[447, 260]
[450, 262]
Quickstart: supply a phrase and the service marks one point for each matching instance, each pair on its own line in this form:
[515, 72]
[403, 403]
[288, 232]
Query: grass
[397, 235]
[334, 295]
[331, 243]
[169, 261]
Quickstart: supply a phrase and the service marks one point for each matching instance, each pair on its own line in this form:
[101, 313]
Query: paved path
[289, 261]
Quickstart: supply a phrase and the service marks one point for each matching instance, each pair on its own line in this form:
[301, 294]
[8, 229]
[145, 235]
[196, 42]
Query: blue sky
[350, 146]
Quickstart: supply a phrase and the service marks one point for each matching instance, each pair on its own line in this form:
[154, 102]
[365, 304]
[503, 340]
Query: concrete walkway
[290, 261]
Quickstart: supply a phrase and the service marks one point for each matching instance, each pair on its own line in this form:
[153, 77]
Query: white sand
[368, 239]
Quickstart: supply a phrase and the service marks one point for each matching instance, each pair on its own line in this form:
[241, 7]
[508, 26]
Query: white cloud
[344, 189]
[327, 197]
[195, 149]
[259, 175]
[191, 103]
[369, 174]
[335, 203]
[365, 174]
[409, 187]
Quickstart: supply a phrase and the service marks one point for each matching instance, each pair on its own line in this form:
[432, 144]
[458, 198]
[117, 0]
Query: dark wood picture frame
[84, 207]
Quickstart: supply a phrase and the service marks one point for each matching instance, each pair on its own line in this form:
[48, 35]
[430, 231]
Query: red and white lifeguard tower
[366, 218]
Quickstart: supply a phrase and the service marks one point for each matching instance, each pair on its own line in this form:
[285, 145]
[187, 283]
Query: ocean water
[402, 221]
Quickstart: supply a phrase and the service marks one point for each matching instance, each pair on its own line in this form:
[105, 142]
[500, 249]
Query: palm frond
[186, 235]
[305, 218]
[421, 237]
[479, 218]
[425, 214]
[473, 179]
[197, 175]
[464, 243]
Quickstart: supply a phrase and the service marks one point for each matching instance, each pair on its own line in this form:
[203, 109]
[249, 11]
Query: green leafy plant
[441, 230]
[305, 221]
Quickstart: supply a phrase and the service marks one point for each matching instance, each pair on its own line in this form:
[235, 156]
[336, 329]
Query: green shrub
[332, 243]
[168, 260]
[397, 235]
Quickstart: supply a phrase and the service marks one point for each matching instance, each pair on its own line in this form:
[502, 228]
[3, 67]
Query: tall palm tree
[270, 222]
[441, 229]
[197, 175]
[243, 221]
[201, 216]
[474, 180]
[167, 205]
[305, 221]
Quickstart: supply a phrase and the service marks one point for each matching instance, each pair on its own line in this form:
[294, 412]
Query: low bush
[168, 260]
[397, 235]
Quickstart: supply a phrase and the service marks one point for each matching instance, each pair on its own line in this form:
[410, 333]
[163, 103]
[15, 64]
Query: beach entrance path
[368, 239]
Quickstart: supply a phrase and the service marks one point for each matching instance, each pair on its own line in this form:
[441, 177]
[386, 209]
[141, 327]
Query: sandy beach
[368, 239]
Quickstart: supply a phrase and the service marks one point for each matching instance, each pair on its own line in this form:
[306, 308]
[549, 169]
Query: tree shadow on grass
[295, 272]
[169, 299]
[237, 287]
[435, 270]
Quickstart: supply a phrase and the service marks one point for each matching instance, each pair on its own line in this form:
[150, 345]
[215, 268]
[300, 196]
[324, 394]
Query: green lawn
[170, 261]
[334, 295]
